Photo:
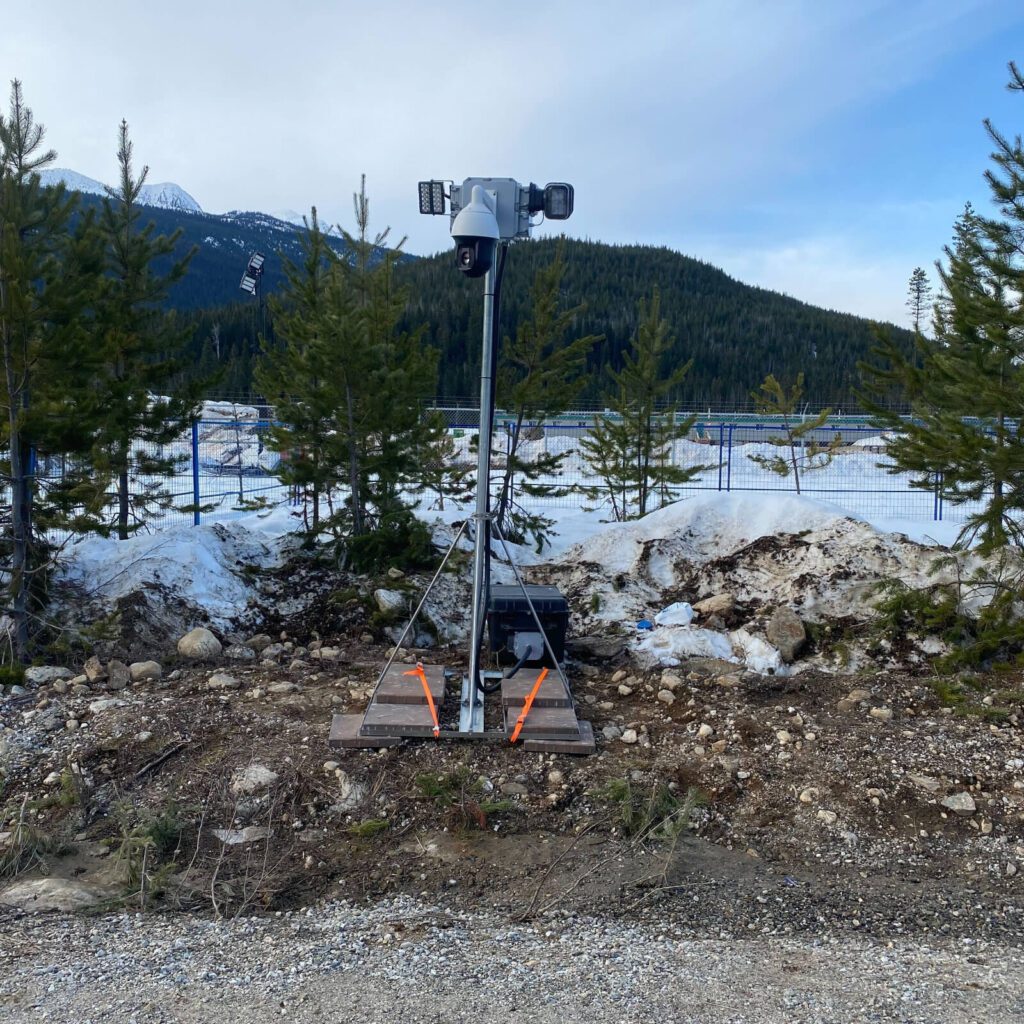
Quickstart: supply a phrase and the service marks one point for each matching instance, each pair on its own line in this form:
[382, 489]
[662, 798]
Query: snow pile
[201, 566]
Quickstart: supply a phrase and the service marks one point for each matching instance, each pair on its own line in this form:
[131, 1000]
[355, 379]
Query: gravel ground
[404, 959]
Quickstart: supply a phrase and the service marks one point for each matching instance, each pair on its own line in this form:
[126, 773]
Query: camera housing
[476, 234]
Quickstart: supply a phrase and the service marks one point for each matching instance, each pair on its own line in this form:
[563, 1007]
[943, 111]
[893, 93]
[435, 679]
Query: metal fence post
[721, 452]
[728, 468]
[195, 473]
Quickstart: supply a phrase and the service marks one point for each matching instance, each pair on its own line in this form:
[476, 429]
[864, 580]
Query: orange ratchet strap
[418, 671]
[527, 705]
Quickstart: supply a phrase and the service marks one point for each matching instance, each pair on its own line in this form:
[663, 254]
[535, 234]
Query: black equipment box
[508, 614]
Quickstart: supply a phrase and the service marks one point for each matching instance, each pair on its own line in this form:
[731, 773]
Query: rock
[260, 642]
[705, 731]
[602, 648]
[926, 782]
[828, 817]
[222, 681]
[394, 573]
[556, 777]
[43, 675]
[630, 736]
[351, 795]
[254, 778]
[331, 766]
[882, 714]
[72, 724]
[670, 681]
[41, 895]
[140, 671]
[611, 732]
[240, 652]
[283, 688]
[199, 643]
[729, 680]
[619, 675]
[786, 632]
[94, 670]
[960, 803]
[326, 654]
[60, 686]
[809, 795]
[625, 690]
[80, 689]
[272, 651]
[295, 665]
[666, 697]
[389, 600]
[143, 737]
[514, 789]
[106, 703]
[784, 737]
[52, 779]
[366, 638]
[240, 836]
[118, 676]
[720, 604]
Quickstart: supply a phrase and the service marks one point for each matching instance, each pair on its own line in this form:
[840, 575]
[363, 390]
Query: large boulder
[389, 600]
[94, 670]
[786, 632]
[199, 643]
[118, 676]
[140, 671]
[48, 894]
[43, 675]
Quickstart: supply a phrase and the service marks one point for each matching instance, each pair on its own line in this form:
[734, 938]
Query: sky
[820, 149]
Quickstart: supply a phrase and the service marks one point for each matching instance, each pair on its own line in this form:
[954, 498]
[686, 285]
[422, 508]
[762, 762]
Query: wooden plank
[397, 720]
[553, 722]
[345, 732]
[552, 693]
[398, 688]
[581, 746]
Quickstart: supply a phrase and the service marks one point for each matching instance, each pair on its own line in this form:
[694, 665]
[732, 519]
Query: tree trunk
[353, 465]
[123, 503]
[21, 525]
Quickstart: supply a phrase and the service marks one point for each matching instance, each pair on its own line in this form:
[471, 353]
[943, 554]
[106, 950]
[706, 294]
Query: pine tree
[141, 407]
[966, 386]
[49, 275]
[631, 447]
[541, 376]
[773, 400]
[919, 294]
[298, 376]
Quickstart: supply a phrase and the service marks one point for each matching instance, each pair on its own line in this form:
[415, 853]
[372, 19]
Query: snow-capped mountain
[165, 195]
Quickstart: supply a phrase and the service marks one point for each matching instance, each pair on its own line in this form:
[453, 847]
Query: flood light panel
[558, 200]
[256, 262]
[432, 197]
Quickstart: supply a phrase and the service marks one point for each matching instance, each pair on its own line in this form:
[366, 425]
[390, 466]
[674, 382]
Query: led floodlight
[432, 197]
[558, 198]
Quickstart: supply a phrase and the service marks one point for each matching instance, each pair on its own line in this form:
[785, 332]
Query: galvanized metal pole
[471, 716]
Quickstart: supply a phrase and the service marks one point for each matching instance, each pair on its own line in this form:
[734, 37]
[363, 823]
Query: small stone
[986, 827]
[925, 782]
[784, 737]
[223, 681]
[106, 703]
[331, 766]
[366, 638]
[705, 731]
[389, 600]
[240, 652]
[394, 573]
[52, 779]
[296, 664]
[729, 680]
[960, 803]
[666, 697]
[259, 643]
[199, 643]
[118, 676]
[618, 676]
[611, 732]
[630, 736]
[141, 671]
[556, 777]
[283, 688]
[719, 746]
[94, 670]
[809, 795]
[625, 690]
[786, 632]
[272, 651]
[80, 689]
[514, 789]
[719, 604]
[254, 778]
[43, 675]
[1011, 870]
[828, 817]
[72, 724]
[670, 681]
[143, 737]
[882, 714]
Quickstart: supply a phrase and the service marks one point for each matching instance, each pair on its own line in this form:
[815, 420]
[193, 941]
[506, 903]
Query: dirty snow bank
[201, 566]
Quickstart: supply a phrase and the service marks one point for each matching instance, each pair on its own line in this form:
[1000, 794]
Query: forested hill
[735, 333]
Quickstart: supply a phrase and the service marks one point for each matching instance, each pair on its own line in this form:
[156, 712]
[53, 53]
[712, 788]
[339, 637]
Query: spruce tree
[541, 376]
[919, 293]
[773, 400]
[49, 276]
[966, 386]
[631, 447]
[141, 405]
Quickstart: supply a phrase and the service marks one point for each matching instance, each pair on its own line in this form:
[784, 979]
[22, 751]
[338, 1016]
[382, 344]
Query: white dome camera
[476, 234]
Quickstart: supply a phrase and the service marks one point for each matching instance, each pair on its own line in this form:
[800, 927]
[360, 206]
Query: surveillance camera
[475, 230]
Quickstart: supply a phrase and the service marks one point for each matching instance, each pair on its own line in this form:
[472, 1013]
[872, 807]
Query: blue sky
[822, 149]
